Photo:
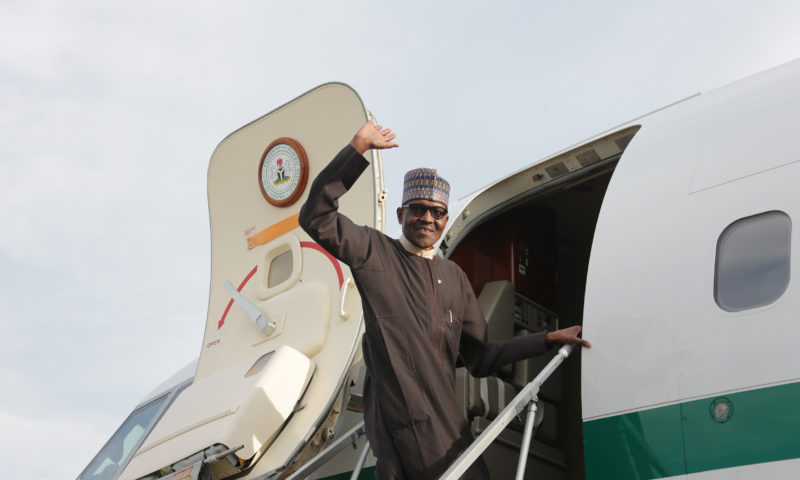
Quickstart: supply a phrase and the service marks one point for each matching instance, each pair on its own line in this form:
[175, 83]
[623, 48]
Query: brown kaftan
[420, 316]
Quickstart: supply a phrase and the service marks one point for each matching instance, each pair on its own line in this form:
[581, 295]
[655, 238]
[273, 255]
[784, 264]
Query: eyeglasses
[418, 210]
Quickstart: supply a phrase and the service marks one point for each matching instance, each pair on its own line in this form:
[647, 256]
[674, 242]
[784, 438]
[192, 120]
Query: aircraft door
[271, 285]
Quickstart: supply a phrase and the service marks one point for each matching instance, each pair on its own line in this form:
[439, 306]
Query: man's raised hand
[373, 136]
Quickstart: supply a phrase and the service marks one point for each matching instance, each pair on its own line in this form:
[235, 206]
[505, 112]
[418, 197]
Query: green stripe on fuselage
[685, 438]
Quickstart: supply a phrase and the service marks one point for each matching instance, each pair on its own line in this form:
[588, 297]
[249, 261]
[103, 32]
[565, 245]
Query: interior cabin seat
[487, 397]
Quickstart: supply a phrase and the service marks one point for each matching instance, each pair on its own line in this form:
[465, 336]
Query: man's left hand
[565, 336]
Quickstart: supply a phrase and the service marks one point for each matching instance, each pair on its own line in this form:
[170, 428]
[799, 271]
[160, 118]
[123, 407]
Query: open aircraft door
[284, 317]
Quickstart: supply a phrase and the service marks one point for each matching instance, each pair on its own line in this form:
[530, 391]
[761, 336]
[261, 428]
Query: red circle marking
[317, 246]
[313, 245]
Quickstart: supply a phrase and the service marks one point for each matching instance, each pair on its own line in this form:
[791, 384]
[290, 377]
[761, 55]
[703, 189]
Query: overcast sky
[110, 110]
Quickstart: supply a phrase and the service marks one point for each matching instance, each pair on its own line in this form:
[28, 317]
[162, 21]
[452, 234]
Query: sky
[109, 113]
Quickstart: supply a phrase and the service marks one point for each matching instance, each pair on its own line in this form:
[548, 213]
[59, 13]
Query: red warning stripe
[313, 245]
[317, 246]
[230, 303]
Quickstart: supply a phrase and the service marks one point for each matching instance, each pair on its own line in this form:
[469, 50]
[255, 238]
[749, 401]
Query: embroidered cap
[425, 184]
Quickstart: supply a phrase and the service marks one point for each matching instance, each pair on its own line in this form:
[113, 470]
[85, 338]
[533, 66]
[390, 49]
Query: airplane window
[114, 455]
[753, 261]
[280, 269]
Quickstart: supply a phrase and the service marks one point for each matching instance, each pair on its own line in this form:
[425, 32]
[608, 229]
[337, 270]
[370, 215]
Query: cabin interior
[528, 265]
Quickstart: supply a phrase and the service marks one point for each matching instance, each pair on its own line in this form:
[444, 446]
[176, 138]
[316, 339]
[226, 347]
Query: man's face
[422, 231]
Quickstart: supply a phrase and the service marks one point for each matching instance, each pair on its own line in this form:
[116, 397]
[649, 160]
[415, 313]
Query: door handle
[345, 287]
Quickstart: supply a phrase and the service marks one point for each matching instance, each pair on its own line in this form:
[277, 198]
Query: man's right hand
[373, 136]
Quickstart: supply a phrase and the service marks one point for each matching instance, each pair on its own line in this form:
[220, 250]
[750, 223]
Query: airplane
[669, 238]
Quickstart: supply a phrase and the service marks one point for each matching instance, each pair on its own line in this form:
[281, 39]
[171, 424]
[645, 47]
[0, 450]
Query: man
[421, 316]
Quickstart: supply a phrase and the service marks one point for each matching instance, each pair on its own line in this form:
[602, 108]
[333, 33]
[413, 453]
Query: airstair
[525, 401]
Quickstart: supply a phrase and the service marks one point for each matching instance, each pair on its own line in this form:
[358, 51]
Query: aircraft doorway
[527, 261]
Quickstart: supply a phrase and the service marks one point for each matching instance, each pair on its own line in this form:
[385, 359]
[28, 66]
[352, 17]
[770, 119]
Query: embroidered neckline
[413, 249]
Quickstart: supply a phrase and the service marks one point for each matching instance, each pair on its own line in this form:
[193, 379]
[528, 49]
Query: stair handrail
[527, 396]
[348, 438]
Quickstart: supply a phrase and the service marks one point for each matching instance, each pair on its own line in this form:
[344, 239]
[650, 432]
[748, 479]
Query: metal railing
[331, 450]
[525, 399]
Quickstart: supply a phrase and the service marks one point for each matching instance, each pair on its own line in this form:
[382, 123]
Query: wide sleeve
[320, 216]
[481, 357]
